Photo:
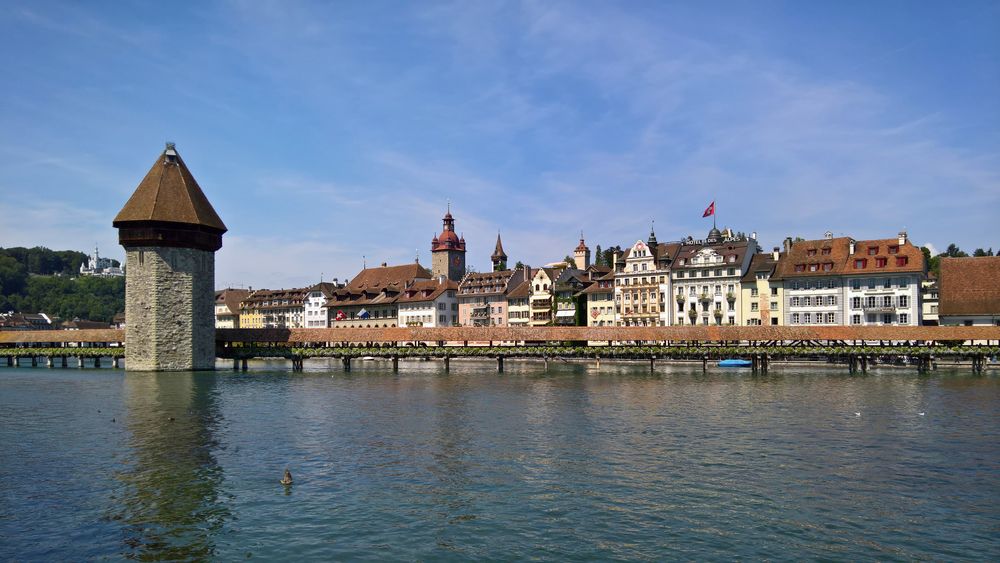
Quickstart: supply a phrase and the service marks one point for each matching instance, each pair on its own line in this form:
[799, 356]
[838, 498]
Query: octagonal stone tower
[170, 233]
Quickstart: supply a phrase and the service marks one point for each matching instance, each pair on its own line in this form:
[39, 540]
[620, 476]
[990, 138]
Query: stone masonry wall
[169, 309]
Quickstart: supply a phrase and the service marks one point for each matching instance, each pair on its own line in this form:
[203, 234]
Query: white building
[706, 278]
[429, 304]
[97, 266]
[841, 281]
[314, 304]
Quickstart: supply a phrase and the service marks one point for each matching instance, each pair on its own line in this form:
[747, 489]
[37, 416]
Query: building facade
[518, 308]
[642, 283]
[707, 278]
[482, 296]
[428, 304]
[600, 301]
[762, 295]
[314, 304]
[370, 300]
[98, 266]
[227, 307]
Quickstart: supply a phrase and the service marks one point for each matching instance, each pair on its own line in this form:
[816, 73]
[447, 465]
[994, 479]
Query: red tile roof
[969, 286]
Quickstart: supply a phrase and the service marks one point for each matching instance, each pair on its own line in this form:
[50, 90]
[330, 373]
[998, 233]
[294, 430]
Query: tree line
[39, 280]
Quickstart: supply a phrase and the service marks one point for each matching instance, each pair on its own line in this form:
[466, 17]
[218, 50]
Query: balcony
[730, 297]
[704, 297]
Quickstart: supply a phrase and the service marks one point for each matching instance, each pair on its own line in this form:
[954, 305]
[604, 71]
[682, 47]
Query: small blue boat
[734, 363]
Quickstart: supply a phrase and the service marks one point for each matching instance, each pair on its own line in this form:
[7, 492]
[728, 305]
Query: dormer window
[826, 252]
[872, 250]
[860, 264]
[811, 252]
[880, 262]
[894, 249]
[902, 260]
[800, 267]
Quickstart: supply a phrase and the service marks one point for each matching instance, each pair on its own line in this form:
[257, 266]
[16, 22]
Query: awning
[565, 313]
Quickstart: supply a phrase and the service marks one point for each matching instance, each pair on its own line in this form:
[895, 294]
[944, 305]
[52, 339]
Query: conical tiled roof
[169, 194]
[498, 253]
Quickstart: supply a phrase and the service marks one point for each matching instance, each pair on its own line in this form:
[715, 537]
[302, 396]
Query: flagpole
[713, 212]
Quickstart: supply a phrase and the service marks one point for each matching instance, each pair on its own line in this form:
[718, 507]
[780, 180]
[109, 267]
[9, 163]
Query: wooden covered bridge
[857, 347]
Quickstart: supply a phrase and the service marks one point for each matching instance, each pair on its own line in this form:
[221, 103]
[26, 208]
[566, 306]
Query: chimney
[902, 238]
[852, 248]
[614, 261]
[441, 279]
[385, 264]
[753, 235]
[828, 235]
[788, 244]
[775, 252]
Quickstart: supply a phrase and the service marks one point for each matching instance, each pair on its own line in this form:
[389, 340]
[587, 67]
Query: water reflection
[172, 506]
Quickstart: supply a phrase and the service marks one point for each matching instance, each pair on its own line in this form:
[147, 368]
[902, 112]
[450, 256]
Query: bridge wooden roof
[541, 334]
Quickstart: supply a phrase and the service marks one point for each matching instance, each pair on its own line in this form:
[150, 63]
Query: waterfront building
[482, 296]
[761, 294]
[98, 266]
[227, 307]
[642, 283]
[118, 321]
[170, 233]
[314, 304]
[929, 301]
[370, 300]
[812, 274]
[499, 257]
[428, 304]
[883, 282]
[568, 298]
[600, 301]
[841, 281]
[518, 309]
[540, 302]
[707, 275]
[448, 251]
[273, 308]
[970, 291]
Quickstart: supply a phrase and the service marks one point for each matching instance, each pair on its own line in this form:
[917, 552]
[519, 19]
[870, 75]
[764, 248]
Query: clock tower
[448, 251]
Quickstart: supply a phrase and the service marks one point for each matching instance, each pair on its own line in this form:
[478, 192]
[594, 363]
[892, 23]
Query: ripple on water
[577, 463]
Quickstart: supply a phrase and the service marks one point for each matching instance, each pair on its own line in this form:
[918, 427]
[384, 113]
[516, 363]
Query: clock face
[456, 260]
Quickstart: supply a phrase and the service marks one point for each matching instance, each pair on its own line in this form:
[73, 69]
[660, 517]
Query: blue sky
[330, 131]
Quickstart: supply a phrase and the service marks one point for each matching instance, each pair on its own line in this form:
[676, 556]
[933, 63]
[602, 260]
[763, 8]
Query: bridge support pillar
[115, 362]
[10, 361]
[243, 364]
[499, 364]
[765, 362]
[652, 364]
[754, 361]
[79, 362]
[447, 364]
[347, 363]
[395, 364]
[34, 361]
[704, 364]
[236, 364]
[97, 362]
[48, 362]
[64, 362]
[598, 361]
[864, 364]
[545, 362]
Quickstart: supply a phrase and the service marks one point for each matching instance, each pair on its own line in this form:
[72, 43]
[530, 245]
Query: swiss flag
[710, 210]
[340, 316]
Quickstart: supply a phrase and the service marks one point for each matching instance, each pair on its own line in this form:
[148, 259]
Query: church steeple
[651, 242]
[499, 256]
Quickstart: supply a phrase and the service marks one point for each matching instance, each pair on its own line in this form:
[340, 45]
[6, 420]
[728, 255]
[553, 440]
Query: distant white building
[314, 304]
[97, 266]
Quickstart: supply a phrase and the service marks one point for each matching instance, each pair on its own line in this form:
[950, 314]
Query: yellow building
[762, 298]
[518, 309]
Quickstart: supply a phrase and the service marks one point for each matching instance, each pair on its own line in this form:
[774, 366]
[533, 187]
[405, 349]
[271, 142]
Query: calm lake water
[574, 464]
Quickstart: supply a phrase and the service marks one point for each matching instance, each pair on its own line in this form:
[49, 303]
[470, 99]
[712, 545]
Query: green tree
[13, 276]
[598, 258]
[954, 251]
